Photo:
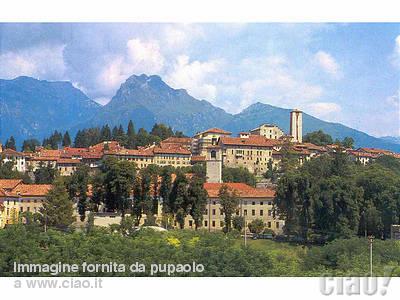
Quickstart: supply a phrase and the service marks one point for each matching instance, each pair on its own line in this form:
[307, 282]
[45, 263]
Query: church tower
[296, 125]
[214, 164]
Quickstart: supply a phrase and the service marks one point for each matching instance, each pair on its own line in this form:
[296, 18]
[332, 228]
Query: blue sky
[347, 73]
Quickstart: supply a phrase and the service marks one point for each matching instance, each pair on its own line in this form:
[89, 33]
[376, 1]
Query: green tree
[78, 188]
[229, 202]
[10, 143]
[30, 145]
[66, 142]
[57, 210]
[238, 175]
[118, 178]
[238, 223]
[131, 136]
[197, 200]
[178, 198]
[256, 226]
[348, 142]
[318, 137]
[45, 174]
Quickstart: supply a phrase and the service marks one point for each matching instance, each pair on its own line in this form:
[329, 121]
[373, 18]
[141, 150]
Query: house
[21, 198]
[202, 140]
[18, 159]
[269, 131]
[254, 203]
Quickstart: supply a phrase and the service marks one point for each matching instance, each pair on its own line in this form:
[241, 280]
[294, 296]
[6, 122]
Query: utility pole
[370, 241]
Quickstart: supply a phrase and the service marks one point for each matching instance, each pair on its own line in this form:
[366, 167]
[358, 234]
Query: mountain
[259, 113]
[391, 139]
[147, 100]
[34, 108]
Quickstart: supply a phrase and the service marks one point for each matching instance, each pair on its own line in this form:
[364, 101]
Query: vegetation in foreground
[221, 254]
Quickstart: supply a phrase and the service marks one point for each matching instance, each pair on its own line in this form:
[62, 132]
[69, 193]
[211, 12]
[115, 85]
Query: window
[190, 223]
[206, 211]
[253, 203]
[220, 212]
[277, 224]
[261, 203]
[245, 212]
[205, 223]
[261, 212]
[28, 208]
[269, 224]
[221, 224]
[213, 202]
[269, 202]
[269, 213]
[213, 154]
[21, 209]
[213, 212]
[253, 212]
[213, 223]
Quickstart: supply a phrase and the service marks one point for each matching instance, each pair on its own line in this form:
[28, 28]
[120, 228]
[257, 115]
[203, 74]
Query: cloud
[394, 101]
[139, 57]
[326, 110]
[327, 63]
[42, 61]
[274, 80]
[194, 76]
[179, 36]
[395, 57]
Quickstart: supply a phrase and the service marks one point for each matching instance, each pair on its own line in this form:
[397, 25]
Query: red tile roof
[111, 145]
[49, 153]
[243, 190]
[37, 190]
[9, 184]
[68, 161]
[11, 152]
[171, 150]
[217, 130]
[252, 140]
[198, 158]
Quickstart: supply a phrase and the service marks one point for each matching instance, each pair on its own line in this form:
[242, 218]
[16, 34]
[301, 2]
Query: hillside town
[256, 150]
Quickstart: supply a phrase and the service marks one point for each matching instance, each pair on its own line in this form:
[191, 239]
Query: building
[161, 155]
[269, 131]
[202, 140]
[252, 152]
[214, 164]
[296, 125]
[21, 198]
[254, 203]
[67, 166]
[18, 159]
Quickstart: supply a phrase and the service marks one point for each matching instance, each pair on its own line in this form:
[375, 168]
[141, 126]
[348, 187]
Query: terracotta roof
[111, 145]
[171, 150]
[311, 146]
[178, 140]
[68, 161]
[244, 190]
[11, 152]
[31, 189]
[198, 158]
[132, 152]
[252, 140]
[217, 130]
[375, 150]
[2, 193]
[44, 158]
[363, 154]
[49, 153]
[9, 184]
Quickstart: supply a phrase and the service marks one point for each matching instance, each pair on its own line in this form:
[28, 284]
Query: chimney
[296, 125]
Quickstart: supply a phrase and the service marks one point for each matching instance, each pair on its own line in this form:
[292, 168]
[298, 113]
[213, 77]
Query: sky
[347, 73]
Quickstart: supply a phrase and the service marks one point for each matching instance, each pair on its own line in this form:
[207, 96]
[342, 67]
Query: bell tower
[296, 125]
[214, 164]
